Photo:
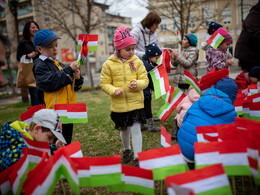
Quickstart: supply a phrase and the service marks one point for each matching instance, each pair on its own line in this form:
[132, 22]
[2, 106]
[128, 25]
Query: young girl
[219, 57]
[124, 77]
[185, 60]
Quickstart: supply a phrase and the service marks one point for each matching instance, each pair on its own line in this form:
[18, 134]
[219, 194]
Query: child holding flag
[45, 127]
[124, 77]
[219, 58]
[185, 60]
[54, 78]
[152, 54]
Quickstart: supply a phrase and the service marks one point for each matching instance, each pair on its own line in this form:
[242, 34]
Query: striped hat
[225, 34]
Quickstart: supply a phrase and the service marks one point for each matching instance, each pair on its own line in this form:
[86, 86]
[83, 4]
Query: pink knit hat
[123, 38]
[225, 34]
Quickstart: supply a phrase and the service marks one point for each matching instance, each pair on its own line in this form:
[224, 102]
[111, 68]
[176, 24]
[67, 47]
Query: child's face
[253, 79]
[44, 136]
[154, 59]
[127, 52]
[224, 46]
[50, 51]
[185, 42]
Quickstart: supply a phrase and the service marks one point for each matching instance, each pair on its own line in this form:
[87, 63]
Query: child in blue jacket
[214, 108]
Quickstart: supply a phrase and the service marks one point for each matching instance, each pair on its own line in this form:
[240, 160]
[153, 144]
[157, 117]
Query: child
[215, 107]
[45, 127]
[219, 57]
[54, 78]
[183, 107]
[124, 77]
[185, 60]
[152, 54]
[247, 78]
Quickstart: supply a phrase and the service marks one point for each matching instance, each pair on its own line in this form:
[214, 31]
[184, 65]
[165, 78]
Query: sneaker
[136, 162]
[143, 127]
[152, 127]
[127, 156]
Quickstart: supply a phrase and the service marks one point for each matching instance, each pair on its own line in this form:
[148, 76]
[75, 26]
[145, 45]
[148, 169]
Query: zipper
[126, 99]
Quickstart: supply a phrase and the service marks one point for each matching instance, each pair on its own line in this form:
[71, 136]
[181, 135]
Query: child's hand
[133, 85]
[170, 51]
[229, 62]
[32, 54]
[74, 65]
[77, 74]
[59, 144]
[118, 92]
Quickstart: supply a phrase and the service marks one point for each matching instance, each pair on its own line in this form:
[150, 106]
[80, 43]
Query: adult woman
[26, 47]
[144, 32]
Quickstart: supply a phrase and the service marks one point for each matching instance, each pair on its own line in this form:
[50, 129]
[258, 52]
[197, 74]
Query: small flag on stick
[215, 39]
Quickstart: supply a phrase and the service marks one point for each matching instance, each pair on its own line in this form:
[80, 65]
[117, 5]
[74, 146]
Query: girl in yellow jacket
[124, 77]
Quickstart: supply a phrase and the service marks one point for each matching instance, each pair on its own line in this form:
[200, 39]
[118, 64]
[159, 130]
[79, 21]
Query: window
[192, 20]
[163, 25]
[226, 16]
[46, 18]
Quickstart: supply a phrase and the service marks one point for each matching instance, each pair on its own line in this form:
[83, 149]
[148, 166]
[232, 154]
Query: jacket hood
[146, 30]
[219, 105]
[114, 59]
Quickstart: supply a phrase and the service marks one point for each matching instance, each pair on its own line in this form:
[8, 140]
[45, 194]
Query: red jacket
[242, 80]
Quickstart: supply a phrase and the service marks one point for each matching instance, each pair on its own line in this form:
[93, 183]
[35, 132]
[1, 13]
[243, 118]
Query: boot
[152, 127]
[175, 131]
[143, 127]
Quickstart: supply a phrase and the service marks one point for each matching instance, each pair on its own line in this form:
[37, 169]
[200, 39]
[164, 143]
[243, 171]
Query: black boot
[175, 131]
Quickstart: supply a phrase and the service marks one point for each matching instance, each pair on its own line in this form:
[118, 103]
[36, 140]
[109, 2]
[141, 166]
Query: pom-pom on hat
[229, 87]
[44, 38]
[212, 27]
[192, 39]
[255, 72]
[152, 50]
[225, 34]
[123, 38]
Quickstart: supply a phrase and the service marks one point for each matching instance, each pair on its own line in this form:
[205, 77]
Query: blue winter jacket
[214, 108]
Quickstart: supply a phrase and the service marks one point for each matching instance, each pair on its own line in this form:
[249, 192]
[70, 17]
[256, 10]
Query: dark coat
[25, 47]
[248, 45]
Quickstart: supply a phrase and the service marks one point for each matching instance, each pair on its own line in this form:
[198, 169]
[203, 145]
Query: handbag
[25, 77]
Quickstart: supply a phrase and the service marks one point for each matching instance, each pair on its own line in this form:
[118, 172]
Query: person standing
[144, 32]
[26, 47]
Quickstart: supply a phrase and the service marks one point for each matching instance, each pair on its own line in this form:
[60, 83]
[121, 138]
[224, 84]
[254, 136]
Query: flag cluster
[165, 60]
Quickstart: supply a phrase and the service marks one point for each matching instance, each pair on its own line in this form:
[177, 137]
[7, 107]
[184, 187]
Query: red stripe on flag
[36, 144]
[166, 135]
[253, 163]
[206, 147]
[254, 106]
[232, 133]
[137, 172]
[30, 112]
[71, 148]
[82, 163]
[163, 73]
[212, 37]
[5, 174]
[239, 100]
[241, 122]
[188, 74]
[77, 107]
[232, 146]
[159, 153]
[90, 37]
[170, 94]
[104, 161]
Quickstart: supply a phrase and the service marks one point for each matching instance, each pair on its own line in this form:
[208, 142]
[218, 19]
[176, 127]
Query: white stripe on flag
[163, 142]
[34, 159]
[92, 43]
[61, 112]
[215, 40]
[156, 73]
[239, 108]
[200, 137]
[84, 173]
[188, 78]
[211, 135]
[234, 159]
[138, 181]
[246, 110]
[77, 154]
[36, 148]
[254, 172]
[208, 184]
[105, 169]
[208, 158]
[256, 99]
[162, 86]
[162, 162]
[254, 113]
[77, 114]
[20, 173]
[253, 153]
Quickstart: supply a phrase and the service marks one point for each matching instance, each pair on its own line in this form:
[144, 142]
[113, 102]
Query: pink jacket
[185, 104]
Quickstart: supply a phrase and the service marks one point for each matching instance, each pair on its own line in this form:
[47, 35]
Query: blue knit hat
[192, 39]
[44, 38]
[229, 87]
[212, 27]
[152, 50]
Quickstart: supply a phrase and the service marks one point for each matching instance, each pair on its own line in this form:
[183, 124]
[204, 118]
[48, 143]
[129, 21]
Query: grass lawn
[99, 138]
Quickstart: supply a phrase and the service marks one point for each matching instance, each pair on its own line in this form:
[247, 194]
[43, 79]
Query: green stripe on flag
[257, 118]
[235, 170]
[92, 48]
[161, 173]
[105, 180]
[222, 190]
[217, 43]
[156, 84]
[85, 182]
[130, 188]
[66, 120]
[240, 112]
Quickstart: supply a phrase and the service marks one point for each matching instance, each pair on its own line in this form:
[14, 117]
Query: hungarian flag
[207, 133]
[238, 103]
[105, 170]
[231, 132]
[5, 185]
[26, 117]
[83, 168]
[254, 111]
[208, 180]
[252, 89]
[241, 123]
[165, 138]
[73, 150]
[192, 81]
[233, 156]
[58, 166]
[18, 175]
[167, 108]
[215, 39]
[86, 43]
[163, 161]
[160, 81]
[206, 154]
[165, 60]
[135, 179]
[168, 95]
[72, 113]
[246, 108]
[37, 145]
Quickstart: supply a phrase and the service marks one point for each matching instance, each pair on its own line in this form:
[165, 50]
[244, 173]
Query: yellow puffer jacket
[116, 74]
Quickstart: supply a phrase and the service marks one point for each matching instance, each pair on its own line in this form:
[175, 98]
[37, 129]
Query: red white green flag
[72, 113]
[160, 81]
[207, 133]
[105, 170]
[168, 95]
[215, 39]
[167, 108]
[163, 161]
[83, 168]
[192, 81]
[73, 149]
[208, 180]
[135, 179]
[165, 60]
[26, 117]
[5, 185]
[252, 89]
[165, 138]
[254, 111]
[41, 146]
[238, 103]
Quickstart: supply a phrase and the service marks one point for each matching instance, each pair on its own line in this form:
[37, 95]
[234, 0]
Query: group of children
[124, 77]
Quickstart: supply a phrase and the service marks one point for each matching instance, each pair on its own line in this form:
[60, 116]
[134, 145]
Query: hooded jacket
[214, 108]
[116, 74]
[139, 33]
[242, 80]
